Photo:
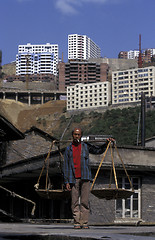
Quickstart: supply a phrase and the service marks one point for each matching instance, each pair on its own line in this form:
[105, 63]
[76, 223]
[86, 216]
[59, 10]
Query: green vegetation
[122, 124]
[78, 118]
[150, 124]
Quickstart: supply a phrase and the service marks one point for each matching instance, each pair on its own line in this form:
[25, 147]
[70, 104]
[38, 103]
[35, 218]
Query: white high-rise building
[37, 59]
[82, 47]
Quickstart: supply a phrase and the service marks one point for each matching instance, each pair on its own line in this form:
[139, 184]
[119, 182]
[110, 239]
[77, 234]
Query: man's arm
[96, 149]
[66, 166]
[66, 170]
[99, 149]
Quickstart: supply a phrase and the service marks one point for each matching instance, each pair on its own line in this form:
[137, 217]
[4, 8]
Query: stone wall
[139, 162]
[19, 85]
[148, 197]
[101, 210]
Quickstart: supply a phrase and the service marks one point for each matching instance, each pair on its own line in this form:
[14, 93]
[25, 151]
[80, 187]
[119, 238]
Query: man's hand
[68, 187]
[111, 140]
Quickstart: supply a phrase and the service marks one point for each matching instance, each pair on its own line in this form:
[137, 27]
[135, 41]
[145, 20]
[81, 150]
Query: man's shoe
[85, 226]
[77, 226]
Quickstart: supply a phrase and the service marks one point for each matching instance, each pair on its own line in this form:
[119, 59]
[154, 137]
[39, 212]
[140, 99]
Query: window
[130, 207]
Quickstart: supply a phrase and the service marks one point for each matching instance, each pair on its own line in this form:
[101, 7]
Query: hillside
[53, 119]
[9, 69]
[122, 124]
[45, 117]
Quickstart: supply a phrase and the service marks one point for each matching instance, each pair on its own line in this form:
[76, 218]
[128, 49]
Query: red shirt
[77, 159]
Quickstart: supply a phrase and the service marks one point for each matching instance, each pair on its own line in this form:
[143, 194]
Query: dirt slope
[22, 116]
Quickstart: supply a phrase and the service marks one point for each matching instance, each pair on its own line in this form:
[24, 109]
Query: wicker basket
[112, 193]
[58, 194]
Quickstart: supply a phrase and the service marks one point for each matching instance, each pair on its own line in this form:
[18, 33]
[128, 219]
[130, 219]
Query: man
[77, 176]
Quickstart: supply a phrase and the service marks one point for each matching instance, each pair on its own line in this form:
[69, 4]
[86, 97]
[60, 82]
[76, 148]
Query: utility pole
[143, 103]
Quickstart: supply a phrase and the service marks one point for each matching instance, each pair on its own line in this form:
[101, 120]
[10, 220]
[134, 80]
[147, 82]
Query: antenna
[140, 63]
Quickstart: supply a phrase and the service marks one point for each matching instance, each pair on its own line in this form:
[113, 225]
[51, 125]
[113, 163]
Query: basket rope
[112, 167]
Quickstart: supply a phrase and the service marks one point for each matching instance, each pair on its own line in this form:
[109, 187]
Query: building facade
[32, 78]
[146, 54]
[123, 55]
[128, 85]
[37, 59]
[87, 96]
[84, 72]
[82, 47]
[133, 54]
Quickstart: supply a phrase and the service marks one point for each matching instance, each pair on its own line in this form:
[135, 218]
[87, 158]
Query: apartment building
[82, 47]
[87, 96]
[37, 59]
[128, 85]
[133, 54]
[84, 72]
[123, 55]
[147, 54]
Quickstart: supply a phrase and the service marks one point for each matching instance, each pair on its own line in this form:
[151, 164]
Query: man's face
[77, 135]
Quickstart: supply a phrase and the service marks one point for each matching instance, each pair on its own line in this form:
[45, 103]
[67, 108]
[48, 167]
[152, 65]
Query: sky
[114, 25]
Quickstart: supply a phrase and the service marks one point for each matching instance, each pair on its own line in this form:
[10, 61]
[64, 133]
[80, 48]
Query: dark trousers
[80, 201]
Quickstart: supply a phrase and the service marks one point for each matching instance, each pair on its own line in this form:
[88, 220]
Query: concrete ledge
[24, 231]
